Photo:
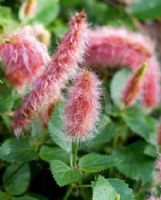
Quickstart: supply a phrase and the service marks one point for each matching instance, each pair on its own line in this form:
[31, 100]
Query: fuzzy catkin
[83, 106]
[24, 58]
[64, 64]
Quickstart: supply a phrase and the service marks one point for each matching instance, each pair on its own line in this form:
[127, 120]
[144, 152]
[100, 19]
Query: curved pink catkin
[112, 47]
[64, 64]
[83, 106]
[151, 88]
[134, 85]
[24, 58]
[117, 47]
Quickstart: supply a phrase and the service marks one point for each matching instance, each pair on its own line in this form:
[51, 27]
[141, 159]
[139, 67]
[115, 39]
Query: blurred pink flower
[24, 58]
[47, 88]
[134, 85]
[115, 47]
[83, 106]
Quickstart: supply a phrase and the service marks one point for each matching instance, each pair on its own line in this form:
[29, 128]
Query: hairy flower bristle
[83, 106]
[24, 58]
[64, 64]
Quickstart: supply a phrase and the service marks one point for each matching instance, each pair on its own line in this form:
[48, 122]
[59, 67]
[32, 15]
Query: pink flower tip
[151, 97]
[134, 85]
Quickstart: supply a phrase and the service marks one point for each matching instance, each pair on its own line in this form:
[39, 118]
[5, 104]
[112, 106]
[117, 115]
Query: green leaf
[106, 131]
[16, 178]
[6, 98]
[139, 123]
[13, 150]
[122, 188]
[6, 19]
[59, 28]
[56, 129]
[94, 162]
[103, 190]
[63, 174]
[25, 198]
[151, 150]
[46, 12]
[4, 196]
[49, 153]
[145, 9]
[117, 86]
[134, 163]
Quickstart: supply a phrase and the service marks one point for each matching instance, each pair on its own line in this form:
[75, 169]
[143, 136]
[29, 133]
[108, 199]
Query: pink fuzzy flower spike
[64, 64]
[134, 85]
[24, 58]
[151, 88]
[83, 106]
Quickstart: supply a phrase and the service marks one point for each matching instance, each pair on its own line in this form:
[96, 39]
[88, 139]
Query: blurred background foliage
[25, 161]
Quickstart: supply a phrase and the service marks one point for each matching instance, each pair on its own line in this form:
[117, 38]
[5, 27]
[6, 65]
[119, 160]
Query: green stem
[69, 191]
[75, 152]
[84, 186]
[71, 157]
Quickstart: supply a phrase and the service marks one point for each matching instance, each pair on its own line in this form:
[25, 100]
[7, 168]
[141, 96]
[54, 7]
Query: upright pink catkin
[24, 58]
[115, 47]
[63, 65]
[83, 106]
